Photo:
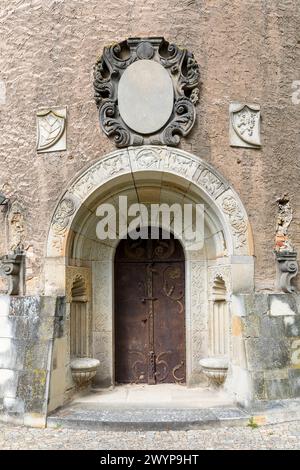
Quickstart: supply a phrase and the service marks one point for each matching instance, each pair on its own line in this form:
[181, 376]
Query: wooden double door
[150, 312]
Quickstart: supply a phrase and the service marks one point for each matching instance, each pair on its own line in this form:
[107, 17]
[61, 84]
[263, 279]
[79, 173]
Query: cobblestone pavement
[277, 436]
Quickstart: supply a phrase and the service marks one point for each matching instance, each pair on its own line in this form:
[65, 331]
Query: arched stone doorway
[149, 174]
[150, 311]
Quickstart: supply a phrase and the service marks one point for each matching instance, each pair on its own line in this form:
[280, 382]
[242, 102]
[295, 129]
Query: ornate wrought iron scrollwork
[171, 275]
[139, 366]
[184, 73]
[162, 374]
[178, 380]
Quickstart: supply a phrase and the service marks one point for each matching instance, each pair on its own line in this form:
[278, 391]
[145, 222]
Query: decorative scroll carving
[163, 159]
[288, 269]
[111, 125]
[237, 221]
[181, 67]
[198, 311]
[12, 266]
[62, 216]
[173, 285]
[183, 121]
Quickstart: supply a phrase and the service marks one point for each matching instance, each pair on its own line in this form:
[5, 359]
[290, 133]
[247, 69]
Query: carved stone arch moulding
[213, 187]
[146, 91]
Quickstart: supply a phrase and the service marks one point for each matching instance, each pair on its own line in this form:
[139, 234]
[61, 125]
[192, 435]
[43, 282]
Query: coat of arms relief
[244, 127]
[51, 129]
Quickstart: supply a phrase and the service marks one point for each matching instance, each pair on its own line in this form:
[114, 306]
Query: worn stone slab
[277, 388]
[294, 376]
[292, 326]
[283, 304]
[141, 419]
[267, 353]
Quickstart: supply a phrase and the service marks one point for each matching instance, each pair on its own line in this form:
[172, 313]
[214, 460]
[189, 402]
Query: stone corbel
[287, 269]
[12, 266]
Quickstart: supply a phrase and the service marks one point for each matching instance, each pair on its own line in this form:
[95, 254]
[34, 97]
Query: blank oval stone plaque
[145, 96]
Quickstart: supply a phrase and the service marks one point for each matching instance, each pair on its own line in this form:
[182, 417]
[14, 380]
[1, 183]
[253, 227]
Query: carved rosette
[183, 72]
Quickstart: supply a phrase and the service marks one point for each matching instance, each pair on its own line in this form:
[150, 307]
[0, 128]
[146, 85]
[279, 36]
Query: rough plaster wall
[247, 51]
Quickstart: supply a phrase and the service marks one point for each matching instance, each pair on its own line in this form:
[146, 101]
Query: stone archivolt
[151, 158]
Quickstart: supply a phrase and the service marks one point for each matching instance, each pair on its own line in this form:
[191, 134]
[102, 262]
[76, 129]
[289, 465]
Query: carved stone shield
[50, 129]
[244, 125]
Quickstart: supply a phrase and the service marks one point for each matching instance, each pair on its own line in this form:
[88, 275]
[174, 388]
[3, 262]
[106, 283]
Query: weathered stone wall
[246, 52]
[28, 326]
[265, 347]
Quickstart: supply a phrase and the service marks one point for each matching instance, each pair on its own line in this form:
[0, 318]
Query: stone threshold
[91, 416]
[116, 418]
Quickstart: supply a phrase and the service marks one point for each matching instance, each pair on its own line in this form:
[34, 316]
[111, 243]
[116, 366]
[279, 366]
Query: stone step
[91, 416]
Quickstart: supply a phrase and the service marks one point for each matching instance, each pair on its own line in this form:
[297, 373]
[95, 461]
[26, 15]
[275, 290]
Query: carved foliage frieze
[198, 311]
[152, 158]
[232, 209]
[211, 182]
[179, 75]
[99, 173]
[62, 216]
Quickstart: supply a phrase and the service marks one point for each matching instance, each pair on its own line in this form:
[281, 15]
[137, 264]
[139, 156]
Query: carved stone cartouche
[183, 72]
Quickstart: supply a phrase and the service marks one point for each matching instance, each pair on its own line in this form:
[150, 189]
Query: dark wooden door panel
[169, 322]
[131, 329]
[149, 312]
